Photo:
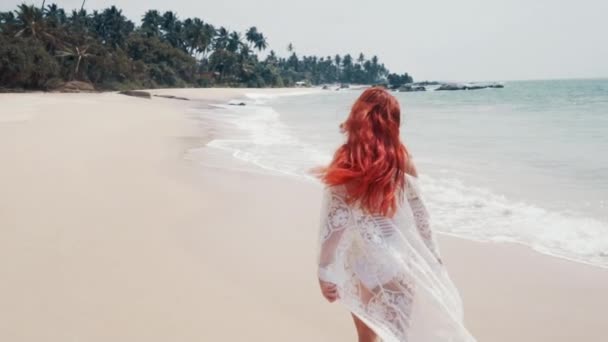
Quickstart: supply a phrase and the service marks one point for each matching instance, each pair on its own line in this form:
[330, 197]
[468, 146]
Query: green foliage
[162, 64]
[40, 48]
[396, 81]
[25, 63]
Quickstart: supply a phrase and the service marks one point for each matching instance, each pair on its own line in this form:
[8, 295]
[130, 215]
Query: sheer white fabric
[388, 270]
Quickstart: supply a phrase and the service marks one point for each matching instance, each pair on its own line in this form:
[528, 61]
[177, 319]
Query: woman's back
[377, 251]
[387, 269]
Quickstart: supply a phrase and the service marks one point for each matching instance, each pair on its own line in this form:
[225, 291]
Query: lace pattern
[421, 219]
[388, 270]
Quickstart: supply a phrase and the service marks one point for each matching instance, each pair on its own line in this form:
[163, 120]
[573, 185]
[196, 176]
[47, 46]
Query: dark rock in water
[75, 87]
[425, 83]
[452, 86]
[237, 103]
[410, 88]
[344, 86]
[173, 97]
[137, 93]
[470, 86]
[325, 87]
[475, 86]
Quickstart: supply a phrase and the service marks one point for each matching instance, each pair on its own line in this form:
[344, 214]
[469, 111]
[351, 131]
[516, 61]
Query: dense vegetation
[42, 47]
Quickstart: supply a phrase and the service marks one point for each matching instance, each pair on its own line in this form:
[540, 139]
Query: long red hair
[372, 163]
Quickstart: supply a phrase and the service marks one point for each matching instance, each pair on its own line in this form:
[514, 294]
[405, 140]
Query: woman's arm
[335, 218]
[410, 168]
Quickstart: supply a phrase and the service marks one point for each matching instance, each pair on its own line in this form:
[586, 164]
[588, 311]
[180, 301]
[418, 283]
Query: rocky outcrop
[469, 86]
[74, 87]
[452, 86]
[137, 93]
[410, 88]
[426, 83]
[172, 97]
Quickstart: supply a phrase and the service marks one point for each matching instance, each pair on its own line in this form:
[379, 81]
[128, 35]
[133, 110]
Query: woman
[378, 255]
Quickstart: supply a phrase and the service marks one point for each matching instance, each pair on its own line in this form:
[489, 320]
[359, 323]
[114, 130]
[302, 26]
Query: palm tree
[195, 38]
[76, 52]
[172, 29]
[347, 61]
[54, 15]
[256, 38]
[30, 21]
[261, 43]
[272, 58]
[221, 38]
[234, 42]
[7, 21]
[80, 21]
[112, 27]
[293, 62]
[347, 65]
[246, 63]
[151, 23]
[169, 21]
[361, 58]
[252, 35]
[209, 33]
[223, 62]
[245, 51]
[375, 60]
[369, 76]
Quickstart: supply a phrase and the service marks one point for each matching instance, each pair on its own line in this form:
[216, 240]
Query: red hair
[372, 163]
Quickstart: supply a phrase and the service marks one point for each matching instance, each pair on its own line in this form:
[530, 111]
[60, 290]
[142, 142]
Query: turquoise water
[527, 163]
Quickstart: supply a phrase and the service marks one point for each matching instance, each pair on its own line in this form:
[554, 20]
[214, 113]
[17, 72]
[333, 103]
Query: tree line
[43, 47]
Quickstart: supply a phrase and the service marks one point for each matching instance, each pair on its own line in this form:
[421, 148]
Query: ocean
[526, 164]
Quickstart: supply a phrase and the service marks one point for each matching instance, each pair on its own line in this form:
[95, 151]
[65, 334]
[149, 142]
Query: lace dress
[388, 270]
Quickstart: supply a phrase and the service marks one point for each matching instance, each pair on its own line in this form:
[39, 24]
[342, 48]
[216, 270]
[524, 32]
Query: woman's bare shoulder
[335, 190]
[410, 167]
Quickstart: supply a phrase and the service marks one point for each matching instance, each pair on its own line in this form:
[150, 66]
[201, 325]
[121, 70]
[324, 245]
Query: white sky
[459, 40]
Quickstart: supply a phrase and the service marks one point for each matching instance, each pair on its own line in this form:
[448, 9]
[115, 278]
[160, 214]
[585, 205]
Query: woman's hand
[329, 290]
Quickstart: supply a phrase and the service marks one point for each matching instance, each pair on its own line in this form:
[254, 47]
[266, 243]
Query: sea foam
[262, 139]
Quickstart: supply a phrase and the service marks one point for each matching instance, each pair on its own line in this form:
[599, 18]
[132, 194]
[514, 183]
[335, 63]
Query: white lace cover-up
[388, 270]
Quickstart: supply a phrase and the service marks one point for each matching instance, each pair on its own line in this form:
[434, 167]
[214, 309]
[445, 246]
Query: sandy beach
[107, 233]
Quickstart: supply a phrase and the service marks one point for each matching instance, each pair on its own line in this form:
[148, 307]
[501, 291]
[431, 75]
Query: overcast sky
[458, 40]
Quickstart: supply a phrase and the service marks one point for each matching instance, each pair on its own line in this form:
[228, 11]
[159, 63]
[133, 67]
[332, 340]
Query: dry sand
[108, 234]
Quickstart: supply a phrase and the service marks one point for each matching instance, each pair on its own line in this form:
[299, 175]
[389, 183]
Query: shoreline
[273, 171]
[519, 244]
[113, 235]
[502, 284]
